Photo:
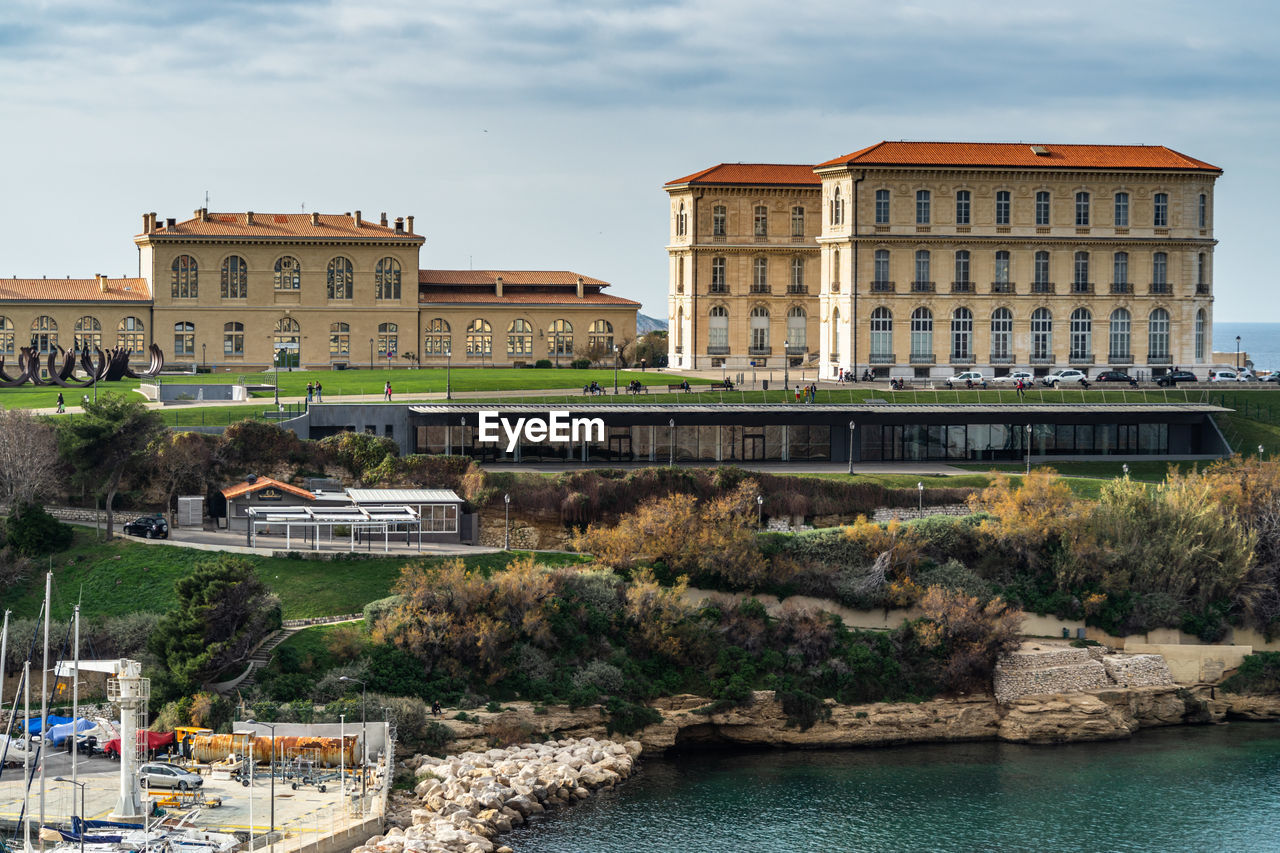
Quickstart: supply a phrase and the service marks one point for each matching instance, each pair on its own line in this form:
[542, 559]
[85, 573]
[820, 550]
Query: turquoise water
[1180, 789]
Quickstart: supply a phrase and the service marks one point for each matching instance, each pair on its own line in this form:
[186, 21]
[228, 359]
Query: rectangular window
[1121, 268]
[1160, 272]
[717, 276]
[797, 221]
[1122, 210]
[882, 265]
[1042, 208]
[1002, 267]
[762, 221]
[1002, 207]
[718, 217]
[1202, 211]
[882, 207]
[1160, 213]
[1042, 268]
[922, 266]
[1082, 210]
[922, 207]
[962, 207]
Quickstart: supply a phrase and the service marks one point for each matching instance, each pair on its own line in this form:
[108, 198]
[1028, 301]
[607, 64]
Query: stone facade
[1054, 670]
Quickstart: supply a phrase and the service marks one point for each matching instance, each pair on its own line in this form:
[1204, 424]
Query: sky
[538, 134]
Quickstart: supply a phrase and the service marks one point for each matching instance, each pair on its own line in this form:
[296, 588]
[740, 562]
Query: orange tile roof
[1021, 156]
[280, 226]
[73, 290]
[262, 483]
[469, 297]
[488, 278]
[784, 174]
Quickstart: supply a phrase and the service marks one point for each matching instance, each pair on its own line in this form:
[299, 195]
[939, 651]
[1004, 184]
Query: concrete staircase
[262, 656]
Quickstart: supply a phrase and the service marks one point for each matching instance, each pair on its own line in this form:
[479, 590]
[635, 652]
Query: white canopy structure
[311, 521]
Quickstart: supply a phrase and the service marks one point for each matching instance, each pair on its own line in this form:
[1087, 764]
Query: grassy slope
[124, 576]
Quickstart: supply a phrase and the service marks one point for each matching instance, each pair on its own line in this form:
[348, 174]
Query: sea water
[1187, 788]
[1260, 342]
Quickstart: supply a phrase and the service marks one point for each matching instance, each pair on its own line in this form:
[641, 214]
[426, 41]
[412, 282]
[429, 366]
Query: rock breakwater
[470, 799]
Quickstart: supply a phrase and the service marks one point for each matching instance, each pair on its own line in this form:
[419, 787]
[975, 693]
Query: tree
[183, 462]
[100, 445]
[652, 348]
[973, 636]
[223, 610]
[29, 464]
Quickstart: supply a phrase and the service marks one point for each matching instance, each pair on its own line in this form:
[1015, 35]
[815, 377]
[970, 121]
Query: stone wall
[1137, 670]
[1050, 670]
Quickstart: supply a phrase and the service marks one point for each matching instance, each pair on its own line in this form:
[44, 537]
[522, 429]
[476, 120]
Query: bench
[638, 389]
[679, 387]
[721, 386]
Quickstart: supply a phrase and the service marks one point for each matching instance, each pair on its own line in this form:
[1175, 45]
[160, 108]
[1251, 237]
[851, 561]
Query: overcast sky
[538, 134]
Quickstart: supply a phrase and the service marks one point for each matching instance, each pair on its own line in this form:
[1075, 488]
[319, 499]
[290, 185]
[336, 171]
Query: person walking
[61, 407]
[319, 387]
[310, 391]
[797, 393]
[386, 391]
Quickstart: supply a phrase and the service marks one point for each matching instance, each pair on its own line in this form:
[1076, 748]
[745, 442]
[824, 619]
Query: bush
[600, 676]
[543, 364]
[31, 531]
[627, 717]
[1258, 675]
[580, 364]
[802, 708]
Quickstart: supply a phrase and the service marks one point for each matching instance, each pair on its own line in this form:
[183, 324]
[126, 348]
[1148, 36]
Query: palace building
[239, 290]
[936, 257]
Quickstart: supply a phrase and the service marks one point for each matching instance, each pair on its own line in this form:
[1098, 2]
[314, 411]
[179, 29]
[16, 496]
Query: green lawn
[126, 576]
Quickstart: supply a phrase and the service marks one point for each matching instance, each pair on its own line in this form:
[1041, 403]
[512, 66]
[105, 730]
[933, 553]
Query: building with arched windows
[1091, 256]
[313, 291]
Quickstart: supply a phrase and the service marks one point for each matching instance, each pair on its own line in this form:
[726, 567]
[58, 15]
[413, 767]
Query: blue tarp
[58, 734]
[33, 725]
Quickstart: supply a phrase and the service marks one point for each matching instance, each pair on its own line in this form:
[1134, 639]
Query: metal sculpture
[61, 364]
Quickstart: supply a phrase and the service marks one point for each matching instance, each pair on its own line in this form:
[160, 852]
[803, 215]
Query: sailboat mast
[26, 759]
[4, 655]
[75, 708]
[44, 689]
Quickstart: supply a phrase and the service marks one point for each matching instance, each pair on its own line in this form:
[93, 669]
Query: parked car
[1114, 376]
[1013, 376]
[149, 526]
[167, 776]
[1173, 377]
[966, 378]
[1066, 376]
[1273, 377]
[1225, 376]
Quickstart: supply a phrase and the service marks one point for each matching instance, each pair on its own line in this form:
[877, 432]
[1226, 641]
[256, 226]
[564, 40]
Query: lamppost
[364, 735]
[271, 726]
[79, 785]
[786, 378]
[671, 440]
[1259, 452]
[275, 359]
[852, 425]
[372, 364]
[920, 491]
[1125, 468]
[203, 355]
[760, 507]
[1028, 450]
[617, 354]
[1237, 353]
[506, 524]
[448, 373]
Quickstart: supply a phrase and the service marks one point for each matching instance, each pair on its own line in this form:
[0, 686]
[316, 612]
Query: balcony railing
[716, 349]
[1202, 290]
[1002, 287]
[923, 287]
[1081, 359]
[959, 358]
[797, 238]
[759, 288]
[1159, 287]
[1043, 359]
[962, 287]
[1122, 287]
[1042, 287]
[1159, 359]
[882, 358]
[765, 350]
[719, 288]
[1082, 287]
[1001, 359]
[797, 288]
[883, 286]
[1120, 358]
[922, 358]
[762, 238]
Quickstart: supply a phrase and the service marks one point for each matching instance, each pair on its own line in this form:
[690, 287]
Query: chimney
[409, 223]
[498, 287]
[579, 287]
[315, 217]
[170, 222]
[248, 218]
[146, 223]
[384, 219]
[204, 214]
[102, 281]
[356, 219]
[399, 224]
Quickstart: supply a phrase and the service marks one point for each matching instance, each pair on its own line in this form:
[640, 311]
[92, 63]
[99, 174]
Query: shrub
[627, 717]
[580, 363]
[600, 676]
[374, 611]
[971, 635]
[30, 531]
[802, 708]
[1258, 675]
[543, 364]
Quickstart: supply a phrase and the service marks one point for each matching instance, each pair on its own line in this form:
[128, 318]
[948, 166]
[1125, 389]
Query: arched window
[1002, 335]
[1081, 335]
[923, 267]
[339, 279]
[388, 340]
[759, 329]
[437, 338]
[962, 335]
[287, 346]
[479, 338]
[235, 278]
[184, 338]
[185, 279]
[88, 334]
[600, 336]
[719, 221]
[922, 335]
[760, 275]
[761, 221]
[131, 334]
[797, 222]
[561, 332]
[233, 339]
[680, 274]
[835, 270]
[962, 267]
[1118, 351]
[6, 336]
[1200, 329]
[1041, 335]
[797, 334]
[797, 275]
[718, 330]
[520, 338]
[835, 205]
[386, 277]
[680, 220]
[1158, 336]
[339, 340]
[679, 329]
[1082, 210]
[288, 273]
[882, 334]
[923, 201]
[835, 332]
[44, 334]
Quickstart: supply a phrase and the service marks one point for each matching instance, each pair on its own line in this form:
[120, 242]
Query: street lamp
[506, 524]
[1125, 468]
[271, 726]
[852, 425]
[204, 359]
[1237, 353]
[760, 506]
[79, 785]
[275, 360]
[372, 365]
[1260, 452]
[671, 440]
[1028, 450]
[616, 355]
[920, 491]
[364, 735]
[448, 373]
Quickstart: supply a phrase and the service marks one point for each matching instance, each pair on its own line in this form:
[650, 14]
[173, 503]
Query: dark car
[149, 526]
[1173, 377]
[1114, 376]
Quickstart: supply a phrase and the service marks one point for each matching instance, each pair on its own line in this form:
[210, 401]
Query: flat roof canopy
[312, 519]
